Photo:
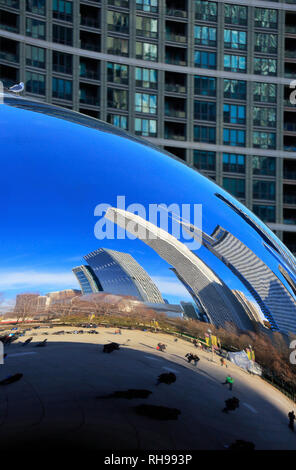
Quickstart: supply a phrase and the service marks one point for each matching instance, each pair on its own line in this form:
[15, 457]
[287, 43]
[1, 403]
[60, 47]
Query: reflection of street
[56, 396]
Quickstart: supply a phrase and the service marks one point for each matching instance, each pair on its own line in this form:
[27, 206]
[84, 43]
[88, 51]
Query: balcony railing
[175, 88]
[10, 3]
[176, 12]
[173, 136]
[290, 29]
[92, 100]
[62, 69]
[290, 148]
[90, 22]
[91, 74]
[291, 54]
[290, 126]
[290, 198]
[175, 61]
[289, 175]
[9, 56]
[91, 46]
[175, 37]
[9, 27]
[175, 113]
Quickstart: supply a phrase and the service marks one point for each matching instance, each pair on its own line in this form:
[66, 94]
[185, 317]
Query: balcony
[90, 22]
[175, 37]
[175, 88]
[89, 69]
[290, 199]
[9, 75]
[176, 8]
[175, 56]
[175, 107]
[9, 21]
[174, 131]
[175, 12]
[90, 41]
[90, 95]
[175, 32]
[10, 3]
[9, 50]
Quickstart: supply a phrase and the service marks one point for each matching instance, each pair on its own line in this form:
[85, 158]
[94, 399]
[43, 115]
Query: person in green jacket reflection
[229, 380]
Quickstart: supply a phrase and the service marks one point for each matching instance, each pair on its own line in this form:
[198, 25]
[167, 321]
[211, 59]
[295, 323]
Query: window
[234, 137]
[235, 114]
[117, 98]
[264, 140]
[266, 43]
[36, 6]
[117, 46]
[146, 78]
[235, 89]
[265, 213]
[205, 134]
[235, 63]
[264, 92]
[205, 86]
[147, 5]
[117, 22]
[146, 51]
[62, 10]
[235, 39]
[233, 163]
[203, 160]
[62, 62]
[235, 186]
[205, 60]
[206, 11]
[264, 190]
[205, 110]
[62, 35]
[264, 66]
[35, 83]
[117, 73]
[205, 35]
[145, 103]
[61, 88]
[235, 14]
[263, 166]
[146, 127]
[146, 27]
[265, 117]
[35, 28]
[35, 57]
[265, 18]
[117, 120]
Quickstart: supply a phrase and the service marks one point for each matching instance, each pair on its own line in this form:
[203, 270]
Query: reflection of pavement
[56, 397]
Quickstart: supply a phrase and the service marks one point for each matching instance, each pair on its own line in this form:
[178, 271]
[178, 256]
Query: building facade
[87, 279]
[119, 273]
[206, 80]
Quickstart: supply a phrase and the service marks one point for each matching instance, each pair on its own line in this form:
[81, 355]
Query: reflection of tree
[26, 306]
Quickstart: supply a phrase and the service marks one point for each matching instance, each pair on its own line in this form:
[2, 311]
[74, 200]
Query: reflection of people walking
[229, 380]
[222, 361]
[292, 418]
[195, 359]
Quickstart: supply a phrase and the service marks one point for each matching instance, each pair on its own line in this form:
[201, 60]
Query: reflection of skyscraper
[87, 279]
[119, 273]
[215, 297]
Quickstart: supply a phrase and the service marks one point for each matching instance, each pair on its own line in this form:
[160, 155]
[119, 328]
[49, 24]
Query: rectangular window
[234, 114]
[35, 28]
[205, 134]
[146, 51]
[266, 43]
[235, 14]
[235, 186]
[117, 120]
[61, 88]
[117, 73]
[62, 62]
[117, 98]
[235, 89]
[118, 22]
[235, 39]
[235, 63]
[203, 160]
[35, 83]
[146, 27]
[265, 213]
[263, 166]
[147, 5]
[265, 18]
[265, 117]
[62, 35]
[35, 57]
[264, 190]
[146, 78]
[205, 35]
[117, 46]
[234, 137]
[264, 66]
[205, 60]
[205, 11]
[234, 163]
[265, 92]
[145, 103]
[264, 140]
[36, 6]
[62, 10]
[205, 110]
[146, 127]
[205, 86]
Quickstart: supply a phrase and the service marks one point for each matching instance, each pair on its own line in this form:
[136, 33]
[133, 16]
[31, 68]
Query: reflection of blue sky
[53, 175]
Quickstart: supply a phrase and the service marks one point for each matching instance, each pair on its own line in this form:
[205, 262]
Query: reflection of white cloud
[32, 279]
[168, 286]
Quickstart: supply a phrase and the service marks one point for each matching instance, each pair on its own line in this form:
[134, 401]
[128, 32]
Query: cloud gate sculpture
[71, 184]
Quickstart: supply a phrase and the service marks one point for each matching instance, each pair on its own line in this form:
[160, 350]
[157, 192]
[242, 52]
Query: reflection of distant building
[215, 297]
[87, 279]
[26, 302]
[190, 310]
[119, 273]
[250, 307]
[62, 296]
[32, 303]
